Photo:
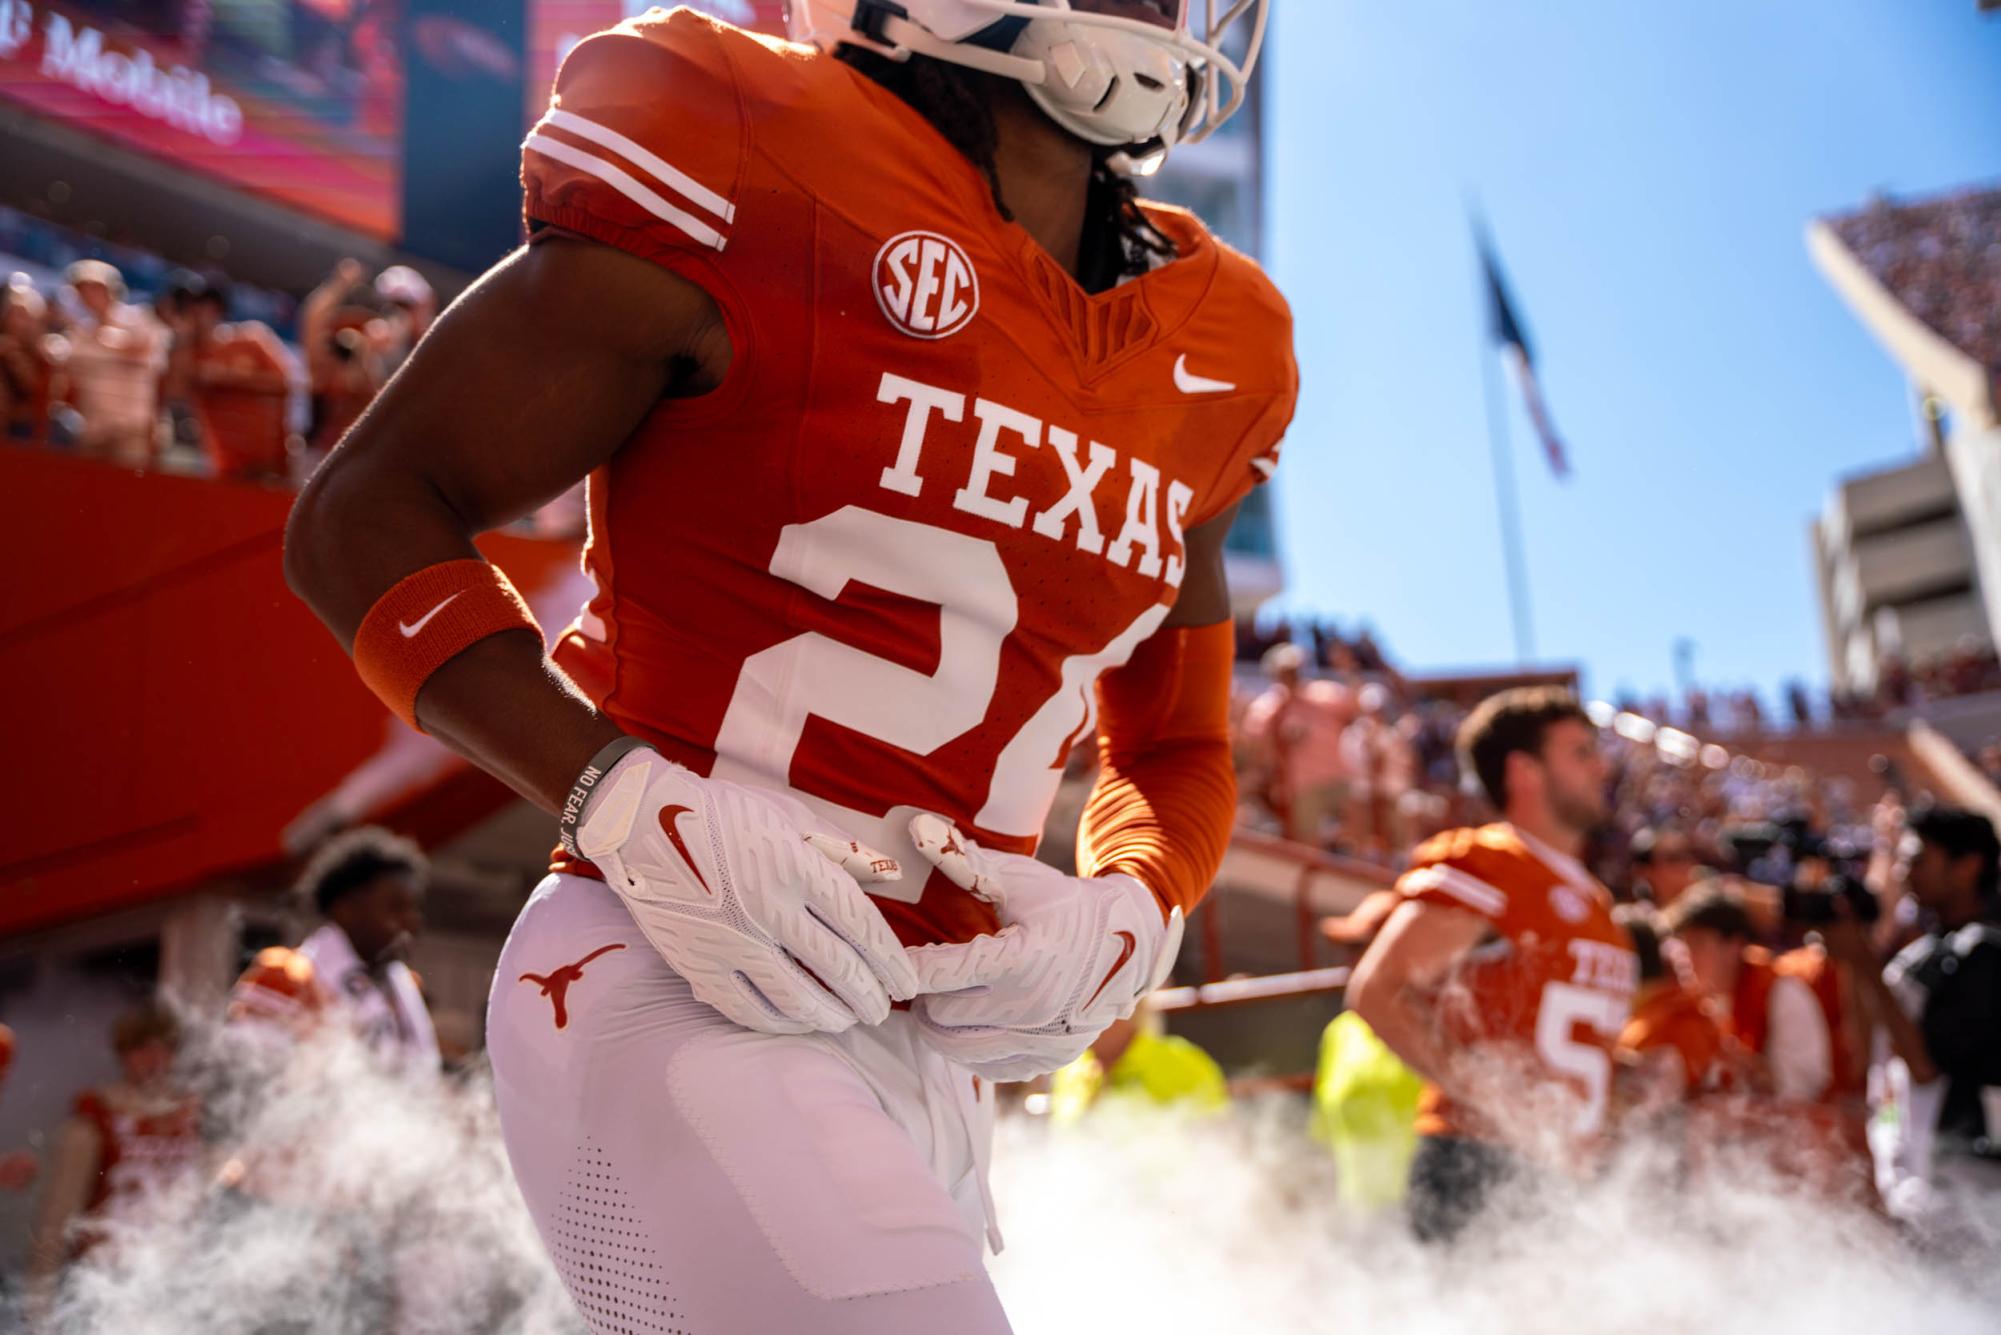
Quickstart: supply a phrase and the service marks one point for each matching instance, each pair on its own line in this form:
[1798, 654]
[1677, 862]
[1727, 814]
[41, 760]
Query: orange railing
[1311, 865]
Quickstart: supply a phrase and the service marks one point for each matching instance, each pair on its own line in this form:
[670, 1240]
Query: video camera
[1817, 875]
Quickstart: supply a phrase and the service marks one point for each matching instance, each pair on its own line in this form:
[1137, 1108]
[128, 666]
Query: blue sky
[1647, 170]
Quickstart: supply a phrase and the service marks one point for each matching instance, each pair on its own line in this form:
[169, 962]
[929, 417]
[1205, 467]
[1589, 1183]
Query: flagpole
[1510, 507]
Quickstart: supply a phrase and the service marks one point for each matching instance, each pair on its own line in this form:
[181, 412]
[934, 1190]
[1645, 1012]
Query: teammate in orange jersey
[1502, 978]
[1673, 1048]
[912, 440]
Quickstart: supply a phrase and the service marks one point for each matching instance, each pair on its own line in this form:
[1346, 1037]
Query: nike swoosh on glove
[1072, 956]
[748, 895]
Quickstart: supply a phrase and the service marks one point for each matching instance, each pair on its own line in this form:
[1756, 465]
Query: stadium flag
[1505, 327]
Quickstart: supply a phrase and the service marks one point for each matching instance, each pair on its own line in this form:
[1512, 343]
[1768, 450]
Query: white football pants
[691, 1177]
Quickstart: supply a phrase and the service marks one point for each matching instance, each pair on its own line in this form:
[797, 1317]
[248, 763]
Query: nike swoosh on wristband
[1125, 953]
[410, 629]
[1189, 383]
[669, 816]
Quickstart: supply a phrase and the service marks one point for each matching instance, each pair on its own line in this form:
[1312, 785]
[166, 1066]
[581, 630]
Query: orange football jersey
[942, 488]
[1750, 1012]
[1668, 1015]
[1543, 1001]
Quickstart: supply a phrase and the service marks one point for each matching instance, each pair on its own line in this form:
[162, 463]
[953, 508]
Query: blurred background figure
[1137, 1061]
[368, 886]
[1665, 864]
[410, 305]
[1938, 1057]
[31, 362]
[117, 352]
[1365, 1111]
[124, 1143]
[18, 1168]
[1294, 728]
[1381, 762]
[345, 340]
[1673, 1049]
[237, 378]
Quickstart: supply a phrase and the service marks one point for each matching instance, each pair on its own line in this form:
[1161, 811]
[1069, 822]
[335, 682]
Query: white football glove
[748, 895]
[1072, 956]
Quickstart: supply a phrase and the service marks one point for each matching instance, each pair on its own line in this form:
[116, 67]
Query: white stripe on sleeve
[663, 171]
[1467, 889]
[621, 180]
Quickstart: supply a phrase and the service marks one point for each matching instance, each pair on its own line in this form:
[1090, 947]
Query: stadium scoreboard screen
[393, 118]
[298, 100]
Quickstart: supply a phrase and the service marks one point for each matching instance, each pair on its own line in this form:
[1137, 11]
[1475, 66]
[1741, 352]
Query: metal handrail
[1247, 991]
[1312, 863]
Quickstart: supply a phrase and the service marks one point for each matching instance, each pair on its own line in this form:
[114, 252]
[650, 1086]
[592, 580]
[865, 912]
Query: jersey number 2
[813, 675]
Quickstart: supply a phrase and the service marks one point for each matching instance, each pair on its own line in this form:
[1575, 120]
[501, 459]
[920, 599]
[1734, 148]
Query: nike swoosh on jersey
[669, 816]
[1189, 383]
[1125, 953]
[411, 629]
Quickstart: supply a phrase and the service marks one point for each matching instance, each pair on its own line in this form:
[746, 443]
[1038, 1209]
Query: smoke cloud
[352, 1203]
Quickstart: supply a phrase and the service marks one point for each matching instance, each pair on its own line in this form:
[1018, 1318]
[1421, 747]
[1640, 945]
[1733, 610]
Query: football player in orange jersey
[912, 440]
[1673, 1046]
[1502, 978]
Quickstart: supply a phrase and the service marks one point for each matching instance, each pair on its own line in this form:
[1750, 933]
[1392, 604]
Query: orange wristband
[428, 619]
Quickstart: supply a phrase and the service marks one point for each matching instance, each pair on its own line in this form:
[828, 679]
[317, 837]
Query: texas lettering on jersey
[942, 488]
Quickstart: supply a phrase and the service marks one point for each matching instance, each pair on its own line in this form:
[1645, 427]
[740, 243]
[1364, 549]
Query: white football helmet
[1106, 78]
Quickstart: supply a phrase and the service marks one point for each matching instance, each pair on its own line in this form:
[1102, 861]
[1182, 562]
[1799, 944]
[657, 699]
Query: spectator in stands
[239, 379]
[1665, 864]
[368, 885]
[411, 306]
[1672, 1049]
[1940, 1012]
[30, 362]
[123, 1143]
[1295, 728]
[18, 1168]
[1381, 763]
[116, 354]
[1799, 704]
[343, 335]
[1936, 258]
[1988, 760]
[1716, 935]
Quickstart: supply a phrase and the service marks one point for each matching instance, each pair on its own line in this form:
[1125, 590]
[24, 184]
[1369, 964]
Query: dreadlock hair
[1118, 240]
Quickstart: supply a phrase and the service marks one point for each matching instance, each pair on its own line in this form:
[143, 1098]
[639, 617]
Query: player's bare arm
[1396, 983]
[530, 380]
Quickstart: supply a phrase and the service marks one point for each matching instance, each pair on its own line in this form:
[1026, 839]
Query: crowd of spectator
[1942, 261]
[1361, 763]
[146, 366]
[1969, 668]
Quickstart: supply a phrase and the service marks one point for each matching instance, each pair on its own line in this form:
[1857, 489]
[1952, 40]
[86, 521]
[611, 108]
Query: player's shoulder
[1237, 296]
[1492, 852]
[677, 69]
[654, 125]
